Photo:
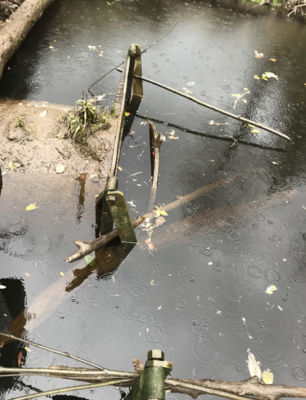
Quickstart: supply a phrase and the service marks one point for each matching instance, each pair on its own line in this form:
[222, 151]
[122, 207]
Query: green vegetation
[19, 123]
[84, 120]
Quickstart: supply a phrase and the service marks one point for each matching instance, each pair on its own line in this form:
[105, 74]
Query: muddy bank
[32, 140]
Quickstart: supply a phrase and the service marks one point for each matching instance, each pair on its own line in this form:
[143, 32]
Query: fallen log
[85, 248]
[16, 28]
[211, 107]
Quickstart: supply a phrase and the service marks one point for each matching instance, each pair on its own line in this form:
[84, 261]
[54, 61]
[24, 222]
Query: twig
[156, 140]
[229, 138]
[85, 248]
[214, 108]
[69, 389]
[142, 52]
[239, 98]
[65, 354]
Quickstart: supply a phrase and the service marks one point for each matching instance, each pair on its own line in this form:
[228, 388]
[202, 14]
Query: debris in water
[271, 289]
[253, 365]
[31, 207]
[267, 377]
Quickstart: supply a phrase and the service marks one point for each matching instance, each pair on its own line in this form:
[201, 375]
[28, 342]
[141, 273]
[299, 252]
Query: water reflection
[12, 303]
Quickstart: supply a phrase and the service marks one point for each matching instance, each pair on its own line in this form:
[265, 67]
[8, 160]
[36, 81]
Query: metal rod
[214, 108]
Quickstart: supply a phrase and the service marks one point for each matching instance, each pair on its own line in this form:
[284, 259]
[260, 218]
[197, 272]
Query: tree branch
[51, 350]
[85, 248]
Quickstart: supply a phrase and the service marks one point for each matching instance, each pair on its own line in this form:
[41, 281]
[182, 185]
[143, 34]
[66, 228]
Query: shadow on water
[12, 304]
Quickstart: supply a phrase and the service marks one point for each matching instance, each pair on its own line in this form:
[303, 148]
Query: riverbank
[34, 140]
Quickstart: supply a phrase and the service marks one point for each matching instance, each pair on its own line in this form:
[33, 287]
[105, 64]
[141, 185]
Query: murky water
[200, 295]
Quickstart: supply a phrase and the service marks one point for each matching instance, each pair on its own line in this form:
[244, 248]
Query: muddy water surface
[200, 294]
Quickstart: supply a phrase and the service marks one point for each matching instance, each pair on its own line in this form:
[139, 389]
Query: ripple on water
[205, 349]
[299, 373]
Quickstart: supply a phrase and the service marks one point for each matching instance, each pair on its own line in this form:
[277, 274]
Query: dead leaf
[258, 55]
[190, 84]
[273, 59]
[31, 207]
[271, 289]
[256, 77]
[253, 365]
[267, 377]
[255, 130]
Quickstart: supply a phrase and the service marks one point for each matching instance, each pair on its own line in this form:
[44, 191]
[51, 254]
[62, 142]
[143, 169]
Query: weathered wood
[16, 28]
[85, 248]
[156, 140]
[214, 108]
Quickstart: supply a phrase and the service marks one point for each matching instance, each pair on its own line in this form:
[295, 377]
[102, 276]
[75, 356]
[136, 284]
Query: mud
[32, 140]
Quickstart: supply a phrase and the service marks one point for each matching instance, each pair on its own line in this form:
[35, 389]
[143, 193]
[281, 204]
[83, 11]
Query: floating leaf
[270, 75]
[43, 113]
[245, 101]
[238, 95]
[253, 365]
[31, 207]
[273, 59]
[264, 77]
[267, 377]
[90, 259]
[190, 84]
[255, 130]
[127, 114]
[51, 47]
[187, 91]
[271, 289]
[2, 287]
[256, 77]
[258, 55]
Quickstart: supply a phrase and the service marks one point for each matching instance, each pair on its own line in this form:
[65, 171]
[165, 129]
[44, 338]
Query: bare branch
[65, 354]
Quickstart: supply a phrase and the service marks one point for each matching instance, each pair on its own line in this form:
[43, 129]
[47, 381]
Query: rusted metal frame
[111, 205]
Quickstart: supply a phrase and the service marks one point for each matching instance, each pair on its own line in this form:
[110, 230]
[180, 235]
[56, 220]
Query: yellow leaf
[51, 47]
[273, 59]
[267, 377]
[245, 101]
[238, 95]
[127, 114]
[62, 274]
[164, 213]
[255, 130]
[256, 77]
[31, 207]
[271, 289]
[264, 77]
[246, 89]
[27, 274]
[305, 84]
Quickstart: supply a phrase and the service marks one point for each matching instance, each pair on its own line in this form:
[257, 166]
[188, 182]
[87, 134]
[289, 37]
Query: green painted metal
[121, 217]
[151, 383]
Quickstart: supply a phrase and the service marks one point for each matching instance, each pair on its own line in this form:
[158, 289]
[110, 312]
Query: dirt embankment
[32, 140]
